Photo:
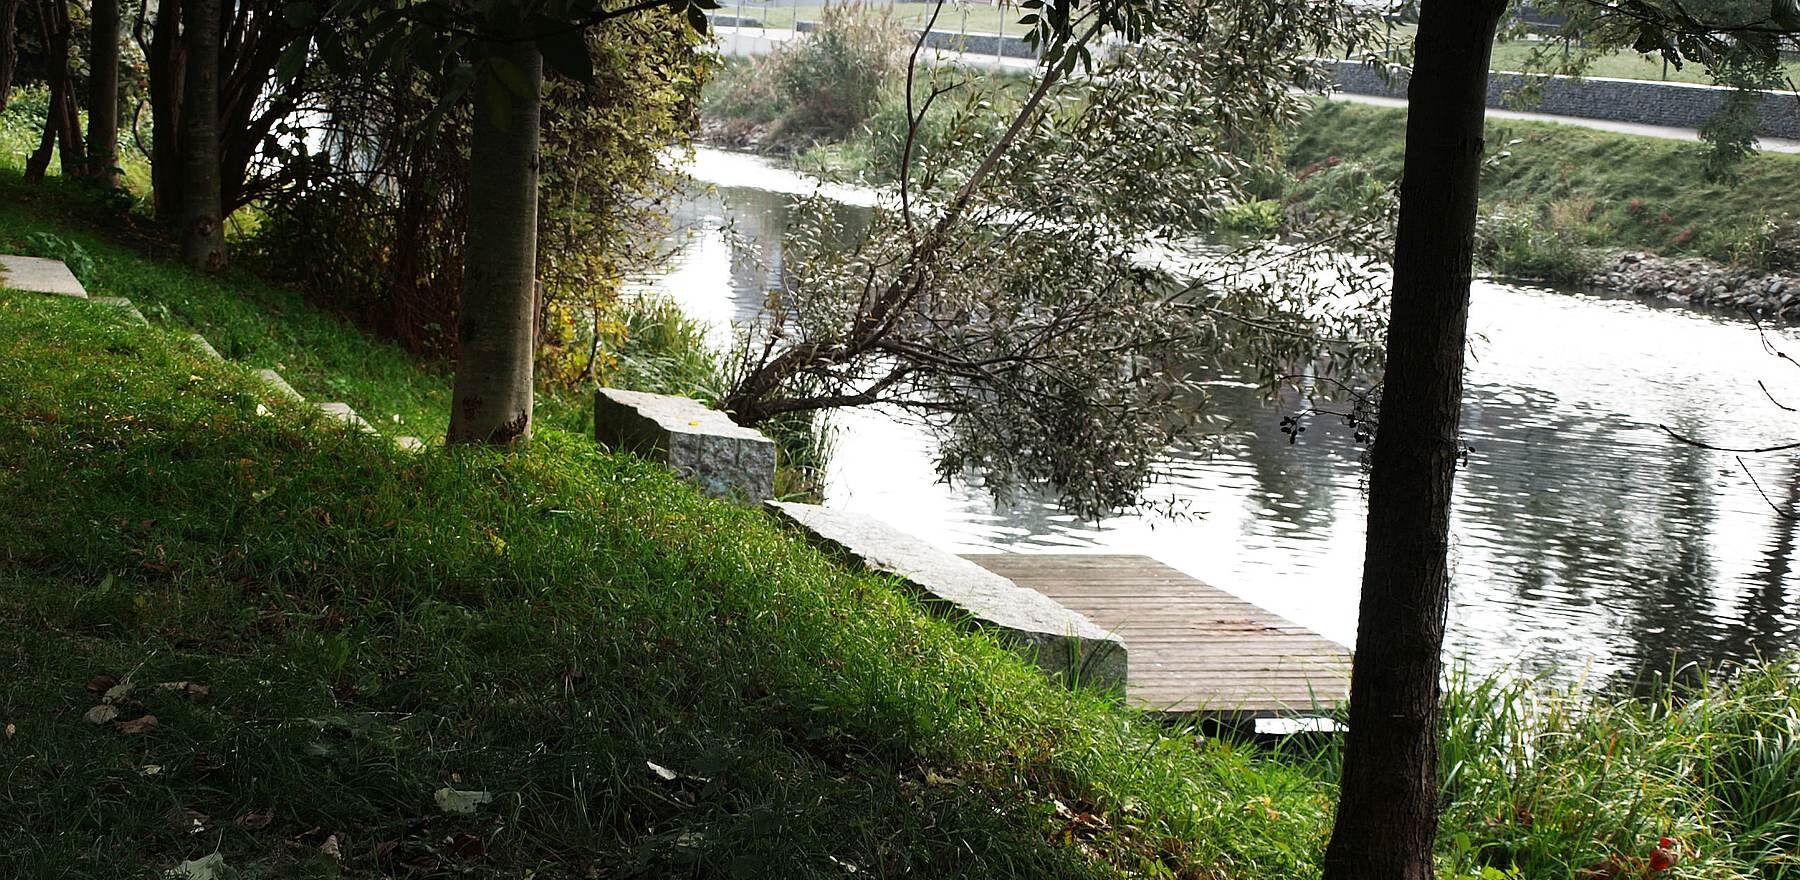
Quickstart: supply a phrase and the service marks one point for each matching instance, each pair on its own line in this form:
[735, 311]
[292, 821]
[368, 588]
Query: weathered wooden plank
[1195, 648]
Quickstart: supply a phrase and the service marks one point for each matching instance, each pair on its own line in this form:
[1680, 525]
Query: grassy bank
[306, 654]
[1561, 188]
[566, 662]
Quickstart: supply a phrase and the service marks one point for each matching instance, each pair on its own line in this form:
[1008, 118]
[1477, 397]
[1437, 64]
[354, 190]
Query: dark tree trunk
[492, 396]
[62, 124]
[103, 93]
[167, 61]
[1387, 807]
[9, 47]
[202, 227]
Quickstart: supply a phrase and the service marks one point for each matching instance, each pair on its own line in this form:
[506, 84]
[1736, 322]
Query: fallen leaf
[187, 689]
[100, 684]
[451, 800]
[468, 846]
[665, 773]
[136, 726]
[101, 714]
[151, 769]
[10, 730]
[210, 867]
[255, 820]
[331, 849]
[117, 692]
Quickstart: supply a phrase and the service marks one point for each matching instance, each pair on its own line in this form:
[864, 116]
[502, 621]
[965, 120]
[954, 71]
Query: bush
[1518, 244]
[821, 87]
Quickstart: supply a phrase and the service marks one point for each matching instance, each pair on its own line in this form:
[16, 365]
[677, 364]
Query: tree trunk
[492, 397]
[202, 229]
[1387, 807]
[9, 47]
[168, 65]
[103, 94]
[62, 122]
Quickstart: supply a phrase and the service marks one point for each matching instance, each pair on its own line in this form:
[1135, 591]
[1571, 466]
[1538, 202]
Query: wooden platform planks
[1193, 647]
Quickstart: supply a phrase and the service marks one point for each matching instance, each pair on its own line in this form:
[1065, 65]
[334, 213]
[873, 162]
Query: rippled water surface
[1586, 540]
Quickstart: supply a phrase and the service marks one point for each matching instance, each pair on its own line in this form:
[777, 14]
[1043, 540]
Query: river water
[1587, 544]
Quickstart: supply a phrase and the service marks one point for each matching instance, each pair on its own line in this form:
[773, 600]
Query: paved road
[760, 41]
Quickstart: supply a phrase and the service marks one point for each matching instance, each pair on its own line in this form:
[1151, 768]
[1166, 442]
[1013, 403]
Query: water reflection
[1586, 541]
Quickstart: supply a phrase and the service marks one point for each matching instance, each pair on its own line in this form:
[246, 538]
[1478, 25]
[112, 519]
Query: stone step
[702, 444]
[343, 413]
[206, 348]
[39, 275]
[279, 385]
[123, 304]
[1063, 643]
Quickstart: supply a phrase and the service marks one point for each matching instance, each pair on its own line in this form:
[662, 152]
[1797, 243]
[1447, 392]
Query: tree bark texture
[103, 93]
[9, 47]
[167, 62]
[491, 399]
[62, 124]
[1387, 807]
[202, 226]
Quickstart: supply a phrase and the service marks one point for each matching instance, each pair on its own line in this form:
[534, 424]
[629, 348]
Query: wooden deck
[1192, 647]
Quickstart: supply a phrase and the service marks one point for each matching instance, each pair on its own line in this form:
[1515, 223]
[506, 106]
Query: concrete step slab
[279, 385]
[702, 444]
[124, 305]
[343, 413]
[206, 348]
[39, 275]
[1063, 643]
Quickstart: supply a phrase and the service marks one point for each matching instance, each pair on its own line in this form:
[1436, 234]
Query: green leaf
[566, 53]
[301, 14]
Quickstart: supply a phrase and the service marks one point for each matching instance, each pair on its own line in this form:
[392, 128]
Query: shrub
[1514, 243]
[821, 87]
[1258, 217]
[55, 247]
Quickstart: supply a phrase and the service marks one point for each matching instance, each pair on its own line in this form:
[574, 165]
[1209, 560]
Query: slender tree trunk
[103, 93]
[168, 66]
[62, 123]
[1387, 807]
[202, 229]
[9, 47]
[492, 397]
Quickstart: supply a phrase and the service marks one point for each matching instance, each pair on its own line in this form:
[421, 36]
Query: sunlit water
[1587, 542]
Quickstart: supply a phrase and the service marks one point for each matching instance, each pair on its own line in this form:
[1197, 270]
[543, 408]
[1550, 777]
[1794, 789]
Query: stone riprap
[1061, 642]
[123, 305]
[704, 445]
[1701, 282]
[1647, 102]
[38, 275]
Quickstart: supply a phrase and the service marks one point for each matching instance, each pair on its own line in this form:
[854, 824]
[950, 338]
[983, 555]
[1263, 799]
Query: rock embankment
[1701, 282]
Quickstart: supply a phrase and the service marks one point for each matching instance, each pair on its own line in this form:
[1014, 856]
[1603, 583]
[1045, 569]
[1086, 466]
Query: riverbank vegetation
[300, 653]
[1553, 194]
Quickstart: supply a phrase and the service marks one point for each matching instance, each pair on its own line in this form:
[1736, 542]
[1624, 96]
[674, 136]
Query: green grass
[373, 627]
[1515, 55]
[370, 627]
[1606, 189]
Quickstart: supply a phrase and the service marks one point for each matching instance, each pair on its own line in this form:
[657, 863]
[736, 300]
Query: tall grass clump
[1554, 783]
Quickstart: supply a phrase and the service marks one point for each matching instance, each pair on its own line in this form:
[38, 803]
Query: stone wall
[1683, 105]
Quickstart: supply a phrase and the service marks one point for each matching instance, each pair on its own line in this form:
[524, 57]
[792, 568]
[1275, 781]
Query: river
[1588, 545]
